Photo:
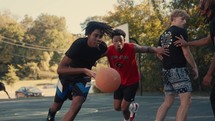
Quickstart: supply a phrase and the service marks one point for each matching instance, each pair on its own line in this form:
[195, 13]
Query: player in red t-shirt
[121, 56]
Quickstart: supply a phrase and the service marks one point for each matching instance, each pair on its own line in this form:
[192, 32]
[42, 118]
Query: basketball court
[99, 107]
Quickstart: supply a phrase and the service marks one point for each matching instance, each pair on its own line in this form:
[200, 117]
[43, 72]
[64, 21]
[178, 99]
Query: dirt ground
[46, 86]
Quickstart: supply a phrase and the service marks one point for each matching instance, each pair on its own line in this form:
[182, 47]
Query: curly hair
[103, 27]
[207, 9]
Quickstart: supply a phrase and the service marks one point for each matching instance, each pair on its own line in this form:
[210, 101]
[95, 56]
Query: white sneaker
[133, 108]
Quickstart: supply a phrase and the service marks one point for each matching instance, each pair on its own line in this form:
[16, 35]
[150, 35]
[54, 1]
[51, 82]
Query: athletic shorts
[176, 81]
[126, 92]
[68, 89]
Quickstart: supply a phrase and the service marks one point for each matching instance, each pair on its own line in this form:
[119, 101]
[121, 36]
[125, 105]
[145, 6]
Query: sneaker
[132, 117]
[133, 108]
[49, 118]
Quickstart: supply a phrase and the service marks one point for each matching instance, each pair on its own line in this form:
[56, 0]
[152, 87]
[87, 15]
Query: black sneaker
[49, 118]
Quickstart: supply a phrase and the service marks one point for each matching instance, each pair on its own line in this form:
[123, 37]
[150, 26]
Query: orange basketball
[107, 79]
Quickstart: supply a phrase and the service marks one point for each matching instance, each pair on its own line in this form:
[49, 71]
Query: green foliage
[53, 68]
[27, 22]
[10, 30]
[6, 18]
[50, 31]
[29, 71]
[33, 45]
[10, 77]
[151, 74]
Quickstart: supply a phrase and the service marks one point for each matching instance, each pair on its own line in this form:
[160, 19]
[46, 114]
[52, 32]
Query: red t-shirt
[125, 63]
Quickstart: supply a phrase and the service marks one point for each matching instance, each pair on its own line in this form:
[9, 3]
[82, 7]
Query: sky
[75, 11]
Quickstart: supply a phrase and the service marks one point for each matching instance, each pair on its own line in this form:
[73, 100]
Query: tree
[27, 22]
[10, 78]
[25, 42]
[49, 31]
[10, 32]
[46, 35]
[29, 71]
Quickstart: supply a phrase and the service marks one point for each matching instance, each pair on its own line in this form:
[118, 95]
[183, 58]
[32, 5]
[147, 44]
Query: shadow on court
[99, 107]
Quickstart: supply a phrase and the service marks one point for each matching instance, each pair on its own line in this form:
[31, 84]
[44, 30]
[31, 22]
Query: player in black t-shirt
[207, 9]
[75, 71]
[176, 80]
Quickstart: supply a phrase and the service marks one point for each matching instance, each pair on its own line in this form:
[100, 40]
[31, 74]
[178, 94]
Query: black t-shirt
[176, 57]
[83, 56]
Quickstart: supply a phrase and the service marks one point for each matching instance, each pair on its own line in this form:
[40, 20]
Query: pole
[139, 62]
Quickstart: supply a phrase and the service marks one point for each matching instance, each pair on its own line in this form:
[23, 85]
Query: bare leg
[53, 110]
[2, 87]
[74, 109]
[185, 102]
[163, 109]
[7, 94]
[125, 109]
[117, 104]
[56, 106]
[122, 105]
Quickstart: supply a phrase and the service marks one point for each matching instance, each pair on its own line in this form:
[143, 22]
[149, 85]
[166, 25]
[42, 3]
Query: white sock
[131, 113]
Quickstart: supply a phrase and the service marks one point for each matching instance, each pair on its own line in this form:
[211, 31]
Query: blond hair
[179, 13]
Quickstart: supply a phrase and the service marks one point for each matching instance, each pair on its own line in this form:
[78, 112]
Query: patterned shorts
[176, 81]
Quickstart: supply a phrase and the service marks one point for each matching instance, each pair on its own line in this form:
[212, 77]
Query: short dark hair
[103, 27]
[117, 32]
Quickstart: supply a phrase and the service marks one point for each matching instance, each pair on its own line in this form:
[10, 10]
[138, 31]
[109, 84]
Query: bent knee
[117, 108]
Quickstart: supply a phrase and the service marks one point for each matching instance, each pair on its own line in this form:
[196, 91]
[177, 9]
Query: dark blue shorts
[67, 89]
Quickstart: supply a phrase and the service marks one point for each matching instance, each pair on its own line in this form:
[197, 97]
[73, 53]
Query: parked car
[30, 91]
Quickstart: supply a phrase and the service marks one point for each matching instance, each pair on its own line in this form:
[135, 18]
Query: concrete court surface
[99, 107]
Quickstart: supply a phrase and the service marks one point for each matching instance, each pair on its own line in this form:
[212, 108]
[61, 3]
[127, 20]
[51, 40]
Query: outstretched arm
[189, 57]
[208, 77]
[148, 49]
[200, 42]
